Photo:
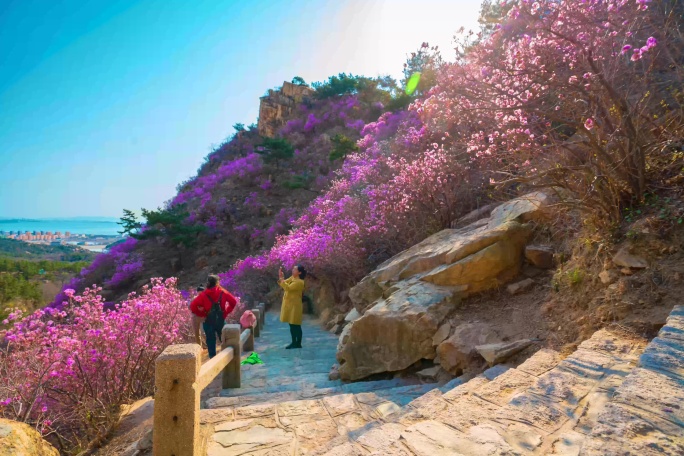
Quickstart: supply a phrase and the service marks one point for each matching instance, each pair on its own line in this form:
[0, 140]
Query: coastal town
[92, 242]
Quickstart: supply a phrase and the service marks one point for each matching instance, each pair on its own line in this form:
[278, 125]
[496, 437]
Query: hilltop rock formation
[405, 300]
[277, 106]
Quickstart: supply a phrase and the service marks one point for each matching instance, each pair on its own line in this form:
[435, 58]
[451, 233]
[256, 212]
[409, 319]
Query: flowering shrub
[399, 188]
[66, 371]
[568, 94]
[103, 269]
[252, 203]
[282, 222]
[127, 268]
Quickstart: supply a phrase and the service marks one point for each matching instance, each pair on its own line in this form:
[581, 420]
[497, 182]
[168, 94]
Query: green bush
[169, 224]
[275, 150]
[342, 146]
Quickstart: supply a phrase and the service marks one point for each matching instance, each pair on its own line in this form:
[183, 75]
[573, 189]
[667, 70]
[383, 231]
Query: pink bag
[247, 320]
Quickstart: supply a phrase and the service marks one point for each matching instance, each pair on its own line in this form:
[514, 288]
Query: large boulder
[20, 439]
[533, 207]
[396, 332]
[473, 261]
[365, 293]
[398, 301]
[483, 261]
[454, 245]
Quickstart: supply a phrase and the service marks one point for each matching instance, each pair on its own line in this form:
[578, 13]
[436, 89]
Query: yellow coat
[291, 310]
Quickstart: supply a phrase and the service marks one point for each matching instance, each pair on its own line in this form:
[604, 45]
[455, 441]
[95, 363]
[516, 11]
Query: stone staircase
[595, 402]
[646, 416]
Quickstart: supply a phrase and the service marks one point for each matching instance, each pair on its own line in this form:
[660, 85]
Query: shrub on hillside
[66, 371]
[581, 96]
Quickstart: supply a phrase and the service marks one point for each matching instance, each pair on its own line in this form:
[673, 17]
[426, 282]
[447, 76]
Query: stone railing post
[177, 401]
[262, 308]
[257, 324]
[231, 338]
[249, 343]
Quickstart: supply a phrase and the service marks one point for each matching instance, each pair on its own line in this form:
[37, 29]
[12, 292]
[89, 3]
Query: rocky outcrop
[396, 332]
[19, 439]
[472, 259]
[278, 105]
[398, 301]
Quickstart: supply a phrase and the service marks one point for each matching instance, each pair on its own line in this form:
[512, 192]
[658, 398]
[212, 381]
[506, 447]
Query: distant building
[67, 234]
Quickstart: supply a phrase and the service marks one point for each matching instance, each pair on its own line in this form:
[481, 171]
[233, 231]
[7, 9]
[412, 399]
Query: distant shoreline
[76, 226]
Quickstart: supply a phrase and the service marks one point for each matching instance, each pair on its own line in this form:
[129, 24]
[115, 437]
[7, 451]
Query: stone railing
[180, 378]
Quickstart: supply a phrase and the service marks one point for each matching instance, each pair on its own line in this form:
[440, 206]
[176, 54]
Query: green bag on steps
[252, 359]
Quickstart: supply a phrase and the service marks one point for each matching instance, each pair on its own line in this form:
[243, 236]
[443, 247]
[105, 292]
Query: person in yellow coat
[291, 309]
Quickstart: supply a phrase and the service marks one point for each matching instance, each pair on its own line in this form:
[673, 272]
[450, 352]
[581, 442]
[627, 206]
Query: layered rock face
[406, 299]
[277, 106]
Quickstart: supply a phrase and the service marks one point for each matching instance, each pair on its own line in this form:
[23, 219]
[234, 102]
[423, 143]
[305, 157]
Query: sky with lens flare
[110, 104]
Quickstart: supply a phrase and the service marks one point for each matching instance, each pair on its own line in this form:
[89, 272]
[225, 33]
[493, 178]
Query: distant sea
[76, 225]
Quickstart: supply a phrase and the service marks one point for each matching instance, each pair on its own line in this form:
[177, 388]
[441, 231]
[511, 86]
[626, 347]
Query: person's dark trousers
[296, 333]
[292, 335]
[212, 332]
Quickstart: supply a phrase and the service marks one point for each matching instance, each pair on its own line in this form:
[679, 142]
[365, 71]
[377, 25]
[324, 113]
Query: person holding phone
[291, 309]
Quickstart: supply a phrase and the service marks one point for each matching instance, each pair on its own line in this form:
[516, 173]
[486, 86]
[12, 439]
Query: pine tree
[129, 223]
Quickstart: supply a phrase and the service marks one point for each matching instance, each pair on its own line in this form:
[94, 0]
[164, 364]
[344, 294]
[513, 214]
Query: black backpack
[215, 315]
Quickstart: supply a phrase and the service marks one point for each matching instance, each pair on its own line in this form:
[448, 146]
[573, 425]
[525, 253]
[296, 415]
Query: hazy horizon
[89, 218]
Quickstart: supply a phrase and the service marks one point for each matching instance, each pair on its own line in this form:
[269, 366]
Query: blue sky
[109, 104]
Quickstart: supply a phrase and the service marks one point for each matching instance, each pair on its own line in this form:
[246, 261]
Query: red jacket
[201, 305]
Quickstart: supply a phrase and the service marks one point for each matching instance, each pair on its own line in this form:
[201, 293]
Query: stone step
[239, 430]
[304, 390]
[544, 406]
[367, 419]
[384, 436]
[646, 414]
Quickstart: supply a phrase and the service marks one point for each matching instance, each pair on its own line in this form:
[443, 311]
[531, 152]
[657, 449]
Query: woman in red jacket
[213, 305]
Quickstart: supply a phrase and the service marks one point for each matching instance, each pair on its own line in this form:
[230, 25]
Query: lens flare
[412, 83]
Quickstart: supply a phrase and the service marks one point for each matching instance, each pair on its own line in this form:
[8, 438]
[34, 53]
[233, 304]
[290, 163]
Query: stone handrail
[180, 378]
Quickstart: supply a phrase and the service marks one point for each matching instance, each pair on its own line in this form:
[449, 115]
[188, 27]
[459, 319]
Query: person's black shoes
[290, 346]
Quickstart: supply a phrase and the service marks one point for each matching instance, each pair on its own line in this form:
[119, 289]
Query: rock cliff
[277, 106]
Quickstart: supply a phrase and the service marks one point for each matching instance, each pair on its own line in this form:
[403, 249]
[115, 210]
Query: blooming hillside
[580, 96]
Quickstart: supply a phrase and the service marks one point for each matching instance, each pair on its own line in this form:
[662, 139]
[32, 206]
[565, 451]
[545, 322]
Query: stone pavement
[646, 416]
[545, 406]
[294, 382]
[288, 375]
[597, 401]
